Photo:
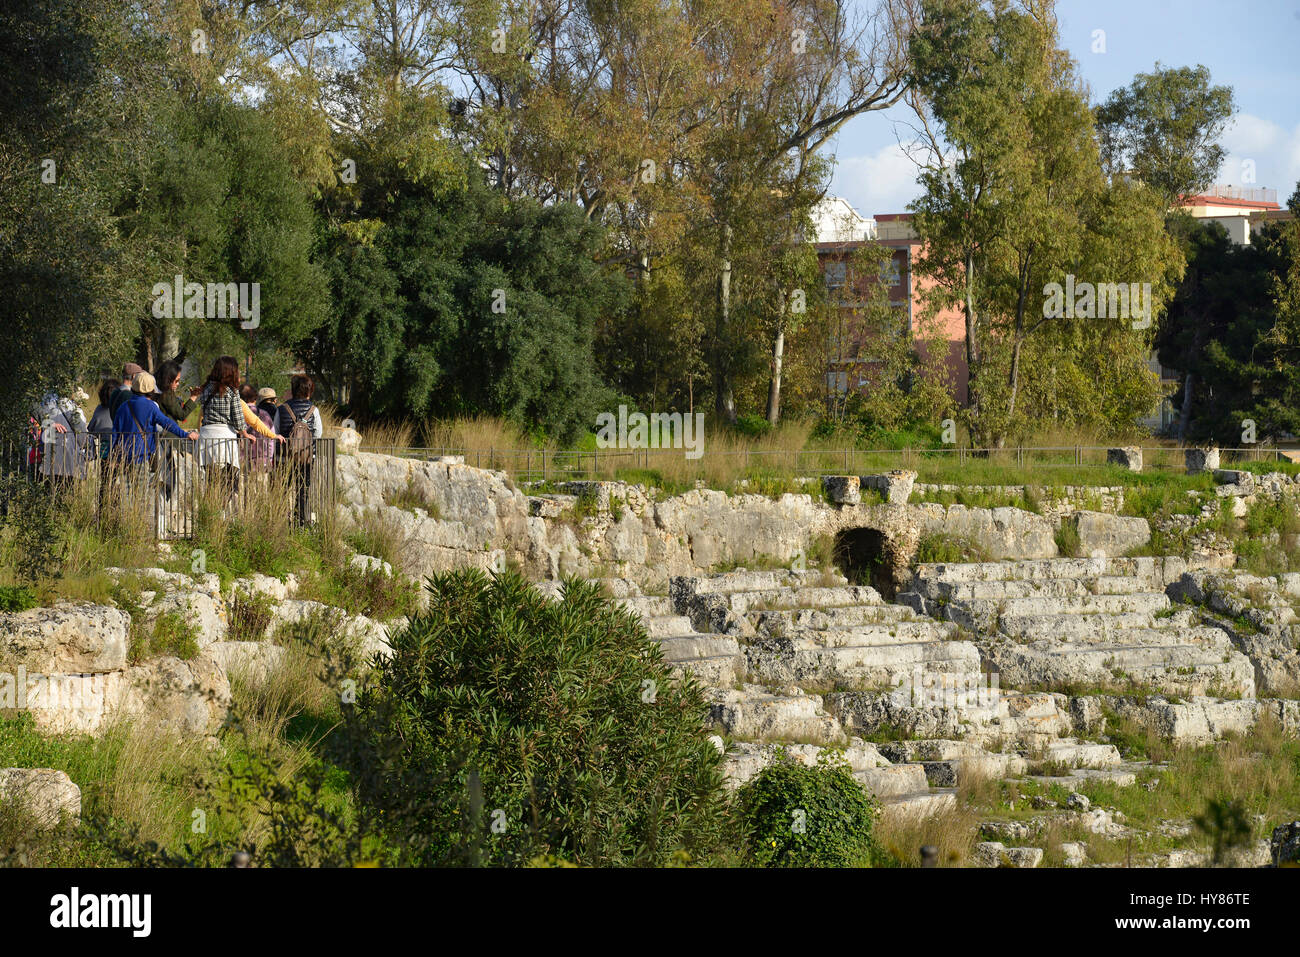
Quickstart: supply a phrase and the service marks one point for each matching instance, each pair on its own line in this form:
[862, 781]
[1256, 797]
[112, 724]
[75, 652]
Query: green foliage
[1067, 539]
[944, 548]
[536, 727]
[250, 616]
[1234, 328]
[34, 527]
[797, 815]
[17, 598]
[1164, 129]
[1023, 204]
[464, 302]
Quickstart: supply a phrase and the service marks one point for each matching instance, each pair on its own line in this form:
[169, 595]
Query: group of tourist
[243, 431]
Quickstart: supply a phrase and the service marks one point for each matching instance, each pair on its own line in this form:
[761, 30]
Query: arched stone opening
[867, 556]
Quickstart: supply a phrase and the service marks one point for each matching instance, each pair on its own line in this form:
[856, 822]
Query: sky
[1251, 45]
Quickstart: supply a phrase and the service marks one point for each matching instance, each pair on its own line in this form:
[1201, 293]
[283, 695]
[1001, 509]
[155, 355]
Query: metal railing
[174, 481]
[548, 465]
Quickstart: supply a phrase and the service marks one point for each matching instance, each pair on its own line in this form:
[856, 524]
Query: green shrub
[797, 815]
[250, 616]
[529, 727]
[17, 598]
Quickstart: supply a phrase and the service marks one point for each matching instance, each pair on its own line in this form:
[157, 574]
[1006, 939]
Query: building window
[836, 275]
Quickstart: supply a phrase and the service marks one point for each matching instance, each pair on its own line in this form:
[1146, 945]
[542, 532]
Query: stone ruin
[918, 674]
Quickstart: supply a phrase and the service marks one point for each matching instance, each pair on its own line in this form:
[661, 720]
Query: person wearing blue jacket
[136, 420]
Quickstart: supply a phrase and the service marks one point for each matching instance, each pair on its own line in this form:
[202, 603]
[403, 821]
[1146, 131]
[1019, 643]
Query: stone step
[755, 714]
[744, 759]
[895, 779]
[816, 597]
[649, 606]
[719, 671]
[902, 633]
[1081, 776]
[745, 580]
[691, 646]
[1035, 588]
[1179, 669]
[1082, 754]
[843, 617]
[1159, 570]
[879, 665]
[1102, 635]
[1149, 602]
[901, 808]
[1070, 626]
[668, 626]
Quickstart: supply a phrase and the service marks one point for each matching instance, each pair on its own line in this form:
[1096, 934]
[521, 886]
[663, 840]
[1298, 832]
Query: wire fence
[178, 477]
[944, 463]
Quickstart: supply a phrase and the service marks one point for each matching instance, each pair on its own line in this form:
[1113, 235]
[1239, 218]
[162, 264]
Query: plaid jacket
[223, 409]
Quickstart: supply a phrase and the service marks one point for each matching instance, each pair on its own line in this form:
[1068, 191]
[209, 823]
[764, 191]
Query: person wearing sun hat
[129, 372]
[137, 420]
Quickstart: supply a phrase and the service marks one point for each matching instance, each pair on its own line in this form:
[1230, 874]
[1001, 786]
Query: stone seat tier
[814, 597]
[805, 661]
[1156, 570]
[1036, 588]
[838, 618]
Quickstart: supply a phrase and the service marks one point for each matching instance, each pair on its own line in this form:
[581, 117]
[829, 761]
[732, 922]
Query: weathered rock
[252, 661]
[896, 485]
[191, 697]
[1129, 457]
[1076, 853]
[47, 795]
[68, 638]
[1102, 535]
[1239, 477]
[1284, 845]
[1201, 460]
[347, 441]
[842, 489]
[369, 563]
[994, 854]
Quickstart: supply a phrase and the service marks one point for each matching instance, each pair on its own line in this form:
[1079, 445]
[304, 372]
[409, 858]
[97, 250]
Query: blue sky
[1251, 45]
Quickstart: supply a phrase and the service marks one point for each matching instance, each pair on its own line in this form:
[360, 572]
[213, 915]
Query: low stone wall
[632, 532]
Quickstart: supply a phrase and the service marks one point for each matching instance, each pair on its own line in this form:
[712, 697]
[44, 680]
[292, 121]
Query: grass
[936, 548]
[412, 497]
[1067, 539]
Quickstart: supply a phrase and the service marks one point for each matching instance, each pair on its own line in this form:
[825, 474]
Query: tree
[1014, 199]
[454, 300]
[1233, 329]
[1164, 129]
[218, 202]
[72, 77]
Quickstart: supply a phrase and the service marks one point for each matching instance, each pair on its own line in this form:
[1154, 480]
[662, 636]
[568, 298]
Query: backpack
[301, 440]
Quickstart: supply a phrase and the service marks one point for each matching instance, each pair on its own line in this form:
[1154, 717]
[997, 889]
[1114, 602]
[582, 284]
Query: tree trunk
[724, 399]
[774, 390]
[972, 353]
[1185, 413]
[1013, 377]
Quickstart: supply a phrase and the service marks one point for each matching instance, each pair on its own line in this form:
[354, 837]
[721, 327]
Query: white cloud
[881, 182]
[1274, 151]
